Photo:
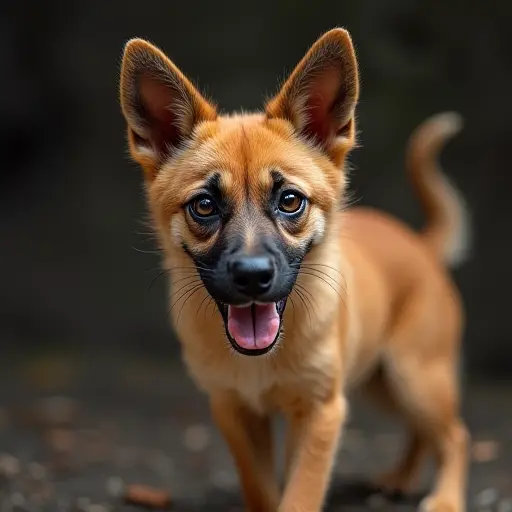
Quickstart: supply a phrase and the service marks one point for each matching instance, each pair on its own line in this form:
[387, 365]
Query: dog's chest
[267, 384]
[254, 387]
[253, 381]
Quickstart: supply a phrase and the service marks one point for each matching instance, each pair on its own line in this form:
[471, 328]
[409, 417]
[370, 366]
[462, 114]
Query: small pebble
[115, 487]
[487, 497]
[148, 497]
[197, 438]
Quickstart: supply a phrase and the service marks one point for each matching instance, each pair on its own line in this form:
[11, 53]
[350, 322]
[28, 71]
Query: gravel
[80, 448]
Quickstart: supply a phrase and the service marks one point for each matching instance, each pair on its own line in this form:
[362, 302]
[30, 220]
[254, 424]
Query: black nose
[252, 275]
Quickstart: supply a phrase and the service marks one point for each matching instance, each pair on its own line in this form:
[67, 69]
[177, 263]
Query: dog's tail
[447, 229]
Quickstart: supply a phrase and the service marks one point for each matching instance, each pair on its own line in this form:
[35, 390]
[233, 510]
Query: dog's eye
[290, 202]
[203, 206]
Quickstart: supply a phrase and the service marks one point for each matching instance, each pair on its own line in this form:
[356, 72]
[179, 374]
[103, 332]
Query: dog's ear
[160, 105]
[320, 96]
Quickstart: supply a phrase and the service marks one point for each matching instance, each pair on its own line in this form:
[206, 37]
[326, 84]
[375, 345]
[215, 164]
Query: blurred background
[77, 262]
[72, 203]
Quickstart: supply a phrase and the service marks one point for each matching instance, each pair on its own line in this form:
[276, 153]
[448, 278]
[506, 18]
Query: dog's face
[243, 197]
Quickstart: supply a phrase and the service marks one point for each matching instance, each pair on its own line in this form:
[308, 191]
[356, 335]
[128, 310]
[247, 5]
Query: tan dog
[282, 298]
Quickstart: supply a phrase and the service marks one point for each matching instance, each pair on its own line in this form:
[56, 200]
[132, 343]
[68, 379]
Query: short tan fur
[372, 304]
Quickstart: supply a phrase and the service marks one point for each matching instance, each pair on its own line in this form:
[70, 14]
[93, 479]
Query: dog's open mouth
[253, 330]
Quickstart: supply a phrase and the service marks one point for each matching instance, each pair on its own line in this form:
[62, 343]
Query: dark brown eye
[203, 206]
[290, 202]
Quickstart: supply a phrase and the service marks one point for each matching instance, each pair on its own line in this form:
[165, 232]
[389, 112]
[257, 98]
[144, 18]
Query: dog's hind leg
[401, 479]
[422, 376]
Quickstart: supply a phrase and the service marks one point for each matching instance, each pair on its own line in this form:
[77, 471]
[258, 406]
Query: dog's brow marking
[213, 182]
[277, 177]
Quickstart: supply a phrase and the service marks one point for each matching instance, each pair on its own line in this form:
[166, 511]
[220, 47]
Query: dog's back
[400, 277]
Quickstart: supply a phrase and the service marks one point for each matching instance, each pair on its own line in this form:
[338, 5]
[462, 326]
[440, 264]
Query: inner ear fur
[320, 96]
[160, 105]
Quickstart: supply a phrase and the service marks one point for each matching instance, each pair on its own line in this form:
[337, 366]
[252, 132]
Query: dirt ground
[77, 432]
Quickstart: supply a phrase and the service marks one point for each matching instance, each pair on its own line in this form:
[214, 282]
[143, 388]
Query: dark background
[71, 203]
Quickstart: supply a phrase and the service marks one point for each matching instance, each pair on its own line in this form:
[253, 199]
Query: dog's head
[244, 197]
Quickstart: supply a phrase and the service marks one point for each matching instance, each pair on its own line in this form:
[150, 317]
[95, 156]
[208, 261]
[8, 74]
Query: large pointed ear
[159, 104]
[320, 96]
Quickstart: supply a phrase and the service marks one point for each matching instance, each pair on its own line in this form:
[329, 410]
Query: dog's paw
[439, 504]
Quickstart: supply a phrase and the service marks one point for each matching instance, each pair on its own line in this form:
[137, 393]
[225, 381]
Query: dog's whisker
[299, 272]
[194, 278]
[325, 281]
[303, 300]
[197, 279]
[210, 301]
[308, 305]
[321, 272]
[312, 264]
[311, 298]
[184, 272]
[191, 283]
[156, 269]
[191, 267]
[146, 233]
[329, 284]
[202, 302]
[213, 307]
[191, 294]
[159, 252]
[187, 275]
[194, 286]
[155, 279]
[293, 306]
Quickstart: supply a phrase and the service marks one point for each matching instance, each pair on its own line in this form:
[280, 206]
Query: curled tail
[447, 227]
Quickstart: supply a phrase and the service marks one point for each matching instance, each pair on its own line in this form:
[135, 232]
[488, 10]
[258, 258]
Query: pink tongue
[253, 327]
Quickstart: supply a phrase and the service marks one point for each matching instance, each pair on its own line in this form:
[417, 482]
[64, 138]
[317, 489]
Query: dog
[308, 297]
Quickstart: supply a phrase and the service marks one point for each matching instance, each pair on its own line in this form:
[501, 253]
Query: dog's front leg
[249, 438]
[316, 431]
